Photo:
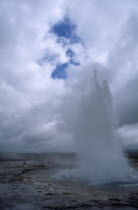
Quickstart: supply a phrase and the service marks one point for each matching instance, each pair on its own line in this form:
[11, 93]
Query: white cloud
[129, 134]
[99, 22]
[30, 99]
[26, 87]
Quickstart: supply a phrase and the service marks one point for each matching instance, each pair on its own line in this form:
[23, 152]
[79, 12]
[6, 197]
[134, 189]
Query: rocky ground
[26, 183]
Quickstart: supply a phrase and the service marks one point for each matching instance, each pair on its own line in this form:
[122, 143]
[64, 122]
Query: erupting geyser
[89, 116]
[100, 155]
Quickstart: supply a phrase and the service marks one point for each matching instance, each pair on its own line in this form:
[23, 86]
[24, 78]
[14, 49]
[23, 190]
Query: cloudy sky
[46, 46]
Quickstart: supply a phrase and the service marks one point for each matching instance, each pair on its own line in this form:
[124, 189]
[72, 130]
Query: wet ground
[26, 183]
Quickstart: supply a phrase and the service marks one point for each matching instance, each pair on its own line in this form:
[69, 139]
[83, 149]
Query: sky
[47, 53]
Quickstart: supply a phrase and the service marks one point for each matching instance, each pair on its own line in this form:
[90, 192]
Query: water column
[100, 155]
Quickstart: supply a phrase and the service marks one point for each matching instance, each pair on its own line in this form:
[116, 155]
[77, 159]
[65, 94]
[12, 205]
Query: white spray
[98, 148]
[89, 116]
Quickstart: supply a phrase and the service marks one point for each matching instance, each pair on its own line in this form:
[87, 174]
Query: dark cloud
[127, 102]
[123, 70]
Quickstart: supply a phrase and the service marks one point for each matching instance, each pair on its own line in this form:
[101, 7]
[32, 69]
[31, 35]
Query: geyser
[100, 155]
[89, 117]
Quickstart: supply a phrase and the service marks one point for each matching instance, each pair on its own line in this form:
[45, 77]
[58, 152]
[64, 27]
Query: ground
[26, 182]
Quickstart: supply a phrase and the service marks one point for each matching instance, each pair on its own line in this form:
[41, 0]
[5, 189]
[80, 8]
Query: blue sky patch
[70, 53]
[60, 71]
[71, 56]
[65, 29]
